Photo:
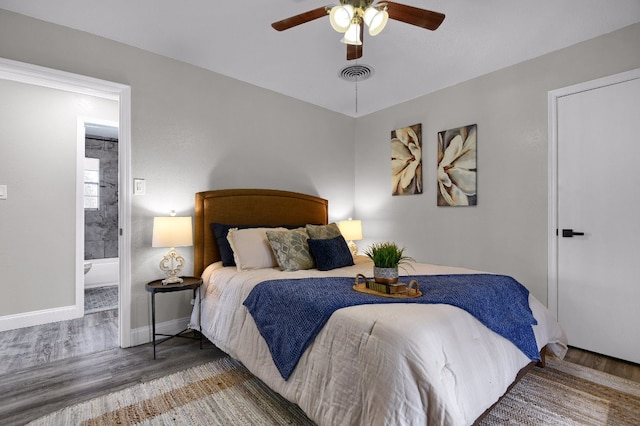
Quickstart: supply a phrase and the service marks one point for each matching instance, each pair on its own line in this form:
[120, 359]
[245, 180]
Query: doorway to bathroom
[52, 232]
[101, 225]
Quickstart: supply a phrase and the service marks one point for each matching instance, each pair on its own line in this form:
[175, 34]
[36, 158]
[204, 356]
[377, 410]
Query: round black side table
[153, 287]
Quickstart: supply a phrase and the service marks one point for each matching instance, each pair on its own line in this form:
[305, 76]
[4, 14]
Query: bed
[374, 364]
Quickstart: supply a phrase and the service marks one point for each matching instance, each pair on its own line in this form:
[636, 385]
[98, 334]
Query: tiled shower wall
[101, 226]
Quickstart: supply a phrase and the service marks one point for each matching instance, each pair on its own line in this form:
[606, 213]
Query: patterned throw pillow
[291, 249]
[323, 232]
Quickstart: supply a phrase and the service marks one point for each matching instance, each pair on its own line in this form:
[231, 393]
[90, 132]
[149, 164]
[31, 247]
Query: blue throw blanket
[290, 313]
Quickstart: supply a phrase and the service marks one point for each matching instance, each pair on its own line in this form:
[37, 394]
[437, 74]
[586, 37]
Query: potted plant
[387, 257]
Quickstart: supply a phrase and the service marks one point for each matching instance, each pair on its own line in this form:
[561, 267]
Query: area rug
[222, 392]
[564, 393]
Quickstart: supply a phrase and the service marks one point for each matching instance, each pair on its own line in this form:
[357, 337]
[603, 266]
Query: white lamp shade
[352, 36]
[375, 20]
[351, 230]
[340, 17]
[173, 231]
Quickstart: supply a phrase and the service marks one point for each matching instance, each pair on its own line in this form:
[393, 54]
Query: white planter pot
[385, 275]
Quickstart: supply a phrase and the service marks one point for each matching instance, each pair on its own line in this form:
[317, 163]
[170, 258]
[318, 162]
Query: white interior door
[598, 184]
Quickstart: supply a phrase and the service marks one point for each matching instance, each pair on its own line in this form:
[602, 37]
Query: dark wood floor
[29, 389]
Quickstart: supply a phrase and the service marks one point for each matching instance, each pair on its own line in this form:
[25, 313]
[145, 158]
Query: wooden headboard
[249, 207]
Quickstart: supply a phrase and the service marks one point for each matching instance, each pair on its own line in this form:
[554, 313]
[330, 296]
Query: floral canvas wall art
[406, 160]
[457, 167]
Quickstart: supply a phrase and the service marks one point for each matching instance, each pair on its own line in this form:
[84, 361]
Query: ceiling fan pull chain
[356, 95]
[355, 73]
[356, 89]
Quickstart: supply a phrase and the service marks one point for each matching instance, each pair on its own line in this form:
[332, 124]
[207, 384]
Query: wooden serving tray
[413, 289]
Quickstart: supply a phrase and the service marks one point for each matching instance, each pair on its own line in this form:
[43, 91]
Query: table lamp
[172, 232]
[351, 231]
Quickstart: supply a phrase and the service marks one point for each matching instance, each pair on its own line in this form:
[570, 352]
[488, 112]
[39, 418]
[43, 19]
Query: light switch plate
[3, 192]
[139, 187]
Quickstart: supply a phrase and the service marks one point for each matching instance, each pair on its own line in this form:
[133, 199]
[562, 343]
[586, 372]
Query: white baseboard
[142, 335]
[45, 316]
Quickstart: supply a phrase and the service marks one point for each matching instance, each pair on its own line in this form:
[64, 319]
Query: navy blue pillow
[331, 253]
[220, 231]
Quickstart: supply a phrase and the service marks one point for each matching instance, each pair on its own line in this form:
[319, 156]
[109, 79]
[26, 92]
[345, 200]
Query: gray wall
[507, 231]
[192, 130]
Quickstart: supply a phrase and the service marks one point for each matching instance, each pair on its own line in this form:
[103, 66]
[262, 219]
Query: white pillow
[251, 248]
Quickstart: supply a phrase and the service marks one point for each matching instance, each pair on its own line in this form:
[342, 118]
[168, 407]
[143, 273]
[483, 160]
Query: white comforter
[391, 364]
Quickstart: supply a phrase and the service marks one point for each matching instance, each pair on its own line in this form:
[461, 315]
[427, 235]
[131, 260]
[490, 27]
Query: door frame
[76, 83]
[552, 227]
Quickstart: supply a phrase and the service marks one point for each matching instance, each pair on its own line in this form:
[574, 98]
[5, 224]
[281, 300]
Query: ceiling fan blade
[354, 51]
[302, 18]
[415, 16]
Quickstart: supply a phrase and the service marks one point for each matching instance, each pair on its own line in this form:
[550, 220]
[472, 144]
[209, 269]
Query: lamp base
[172, 280]
[171, 264]
[353, 247]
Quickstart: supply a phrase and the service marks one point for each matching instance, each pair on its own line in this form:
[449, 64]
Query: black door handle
[568, 233]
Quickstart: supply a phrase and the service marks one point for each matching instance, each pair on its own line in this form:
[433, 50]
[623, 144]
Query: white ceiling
[235, 38]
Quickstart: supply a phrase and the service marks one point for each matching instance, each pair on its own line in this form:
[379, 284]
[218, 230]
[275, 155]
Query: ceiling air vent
[356, 72]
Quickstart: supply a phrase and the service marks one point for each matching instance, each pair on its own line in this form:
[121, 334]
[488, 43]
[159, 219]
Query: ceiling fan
[348, 18]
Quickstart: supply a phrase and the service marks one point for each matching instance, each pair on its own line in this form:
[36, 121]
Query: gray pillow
[291, 249]
[323, 232]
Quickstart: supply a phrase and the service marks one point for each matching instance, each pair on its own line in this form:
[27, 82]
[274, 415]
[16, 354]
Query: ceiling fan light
[375, 19]
[340, 17]
[352, 35]
[369, 14]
